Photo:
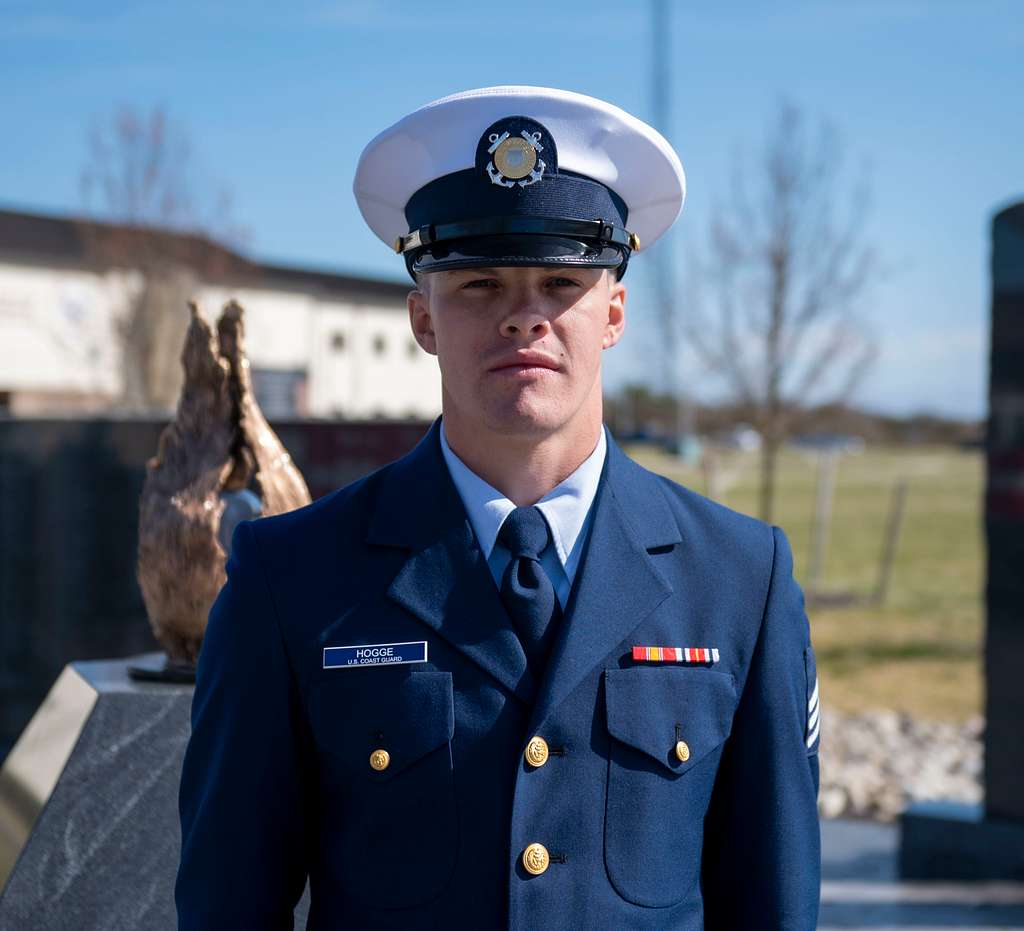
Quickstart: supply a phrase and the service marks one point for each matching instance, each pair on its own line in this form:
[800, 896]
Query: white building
[320, 344]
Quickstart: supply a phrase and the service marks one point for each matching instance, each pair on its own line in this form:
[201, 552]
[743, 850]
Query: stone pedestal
[951, 840]
[945, 842]
[89, 831]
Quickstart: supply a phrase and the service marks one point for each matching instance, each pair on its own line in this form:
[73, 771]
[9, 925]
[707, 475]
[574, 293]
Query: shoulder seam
[764, 607]
[273, 603]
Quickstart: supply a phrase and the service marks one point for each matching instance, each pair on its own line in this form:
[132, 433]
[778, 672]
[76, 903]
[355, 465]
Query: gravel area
[874, 764]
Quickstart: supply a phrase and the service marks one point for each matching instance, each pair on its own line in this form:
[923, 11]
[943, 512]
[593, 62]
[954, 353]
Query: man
[512, 680]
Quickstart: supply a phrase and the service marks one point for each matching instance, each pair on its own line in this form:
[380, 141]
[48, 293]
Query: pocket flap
[652, 709]
[408, 714]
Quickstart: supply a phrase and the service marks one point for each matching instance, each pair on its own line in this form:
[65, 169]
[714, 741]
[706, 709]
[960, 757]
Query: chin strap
[597, 230]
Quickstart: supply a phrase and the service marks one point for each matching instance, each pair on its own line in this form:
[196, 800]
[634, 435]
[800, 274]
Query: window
[338, 341]
[280, 392]
[379, 344]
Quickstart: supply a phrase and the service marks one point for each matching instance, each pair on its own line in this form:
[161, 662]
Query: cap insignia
[515, 159]
[516, 152]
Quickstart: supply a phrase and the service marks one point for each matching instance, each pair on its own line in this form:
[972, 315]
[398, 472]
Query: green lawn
[920, 651]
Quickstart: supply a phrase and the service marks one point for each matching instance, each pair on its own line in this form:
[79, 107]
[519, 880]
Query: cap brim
[510, 251]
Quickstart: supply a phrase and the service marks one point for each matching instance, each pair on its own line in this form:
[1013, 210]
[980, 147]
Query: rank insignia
[812, 729]
[813, 718]
[675, 654]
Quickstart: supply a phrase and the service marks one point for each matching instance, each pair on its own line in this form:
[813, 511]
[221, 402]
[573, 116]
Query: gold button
[682, 751]
[536, 859]
[380, 760]
[537, 751]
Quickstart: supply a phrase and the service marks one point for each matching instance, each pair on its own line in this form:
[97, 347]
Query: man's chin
[525, 420]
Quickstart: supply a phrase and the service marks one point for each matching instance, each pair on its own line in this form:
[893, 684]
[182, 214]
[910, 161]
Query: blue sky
[280, 99]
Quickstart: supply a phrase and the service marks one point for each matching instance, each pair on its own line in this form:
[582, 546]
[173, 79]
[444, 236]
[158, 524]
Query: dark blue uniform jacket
[277, 783]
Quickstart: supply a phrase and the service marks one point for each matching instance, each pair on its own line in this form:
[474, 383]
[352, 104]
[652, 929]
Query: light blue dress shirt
[566, 508]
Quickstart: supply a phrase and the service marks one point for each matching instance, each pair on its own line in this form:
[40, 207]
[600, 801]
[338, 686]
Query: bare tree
[148, 219]
[775, 293]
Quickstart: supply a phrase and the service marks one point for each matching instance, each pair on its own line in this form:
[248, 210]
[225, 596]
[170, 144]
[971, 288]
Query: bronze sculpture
[217, 462]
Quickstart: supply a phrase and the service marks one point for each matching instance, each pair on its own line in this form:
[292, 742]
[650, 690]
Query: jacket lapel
[445, 582]
[617, 585]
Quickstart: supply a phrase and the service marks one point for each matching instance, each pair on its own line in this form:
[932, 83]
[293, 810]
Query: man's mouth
[526, 362]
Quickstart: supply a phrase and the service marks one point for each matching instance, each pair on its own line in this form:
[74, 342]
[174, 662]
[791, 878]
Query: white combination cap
[519, 175]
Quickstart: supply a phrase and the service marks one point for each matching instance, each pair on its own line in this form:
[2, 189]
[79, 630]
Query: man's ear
[420, 320]
[616, 322]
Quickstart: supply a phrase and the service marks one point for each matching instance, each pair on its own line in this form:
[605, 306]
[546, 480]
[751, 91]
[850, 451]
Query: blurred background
[810, 344]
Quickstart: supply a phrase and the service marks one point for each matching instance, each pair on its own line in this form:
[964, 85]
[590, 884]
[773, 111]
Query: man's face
[519, 348]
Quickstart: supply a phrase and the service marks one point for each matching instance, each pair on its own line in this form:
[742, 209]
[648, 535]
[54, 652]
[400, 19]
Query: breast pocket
[387, 785]
[667, 726]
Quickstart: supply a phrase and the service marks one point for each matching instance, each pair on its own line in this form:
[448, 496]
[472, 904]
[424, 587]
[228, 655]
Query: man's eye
[562, 282]
[478, 282]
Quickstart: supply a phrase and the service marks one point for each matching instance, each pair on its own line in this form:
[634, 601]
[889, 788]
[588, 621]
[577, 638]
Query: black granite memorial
[987, 842]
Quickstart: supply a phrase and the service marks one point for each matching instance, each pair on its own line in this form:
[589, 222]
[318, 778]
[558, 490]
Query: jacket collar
[418, 501]
[446, 583]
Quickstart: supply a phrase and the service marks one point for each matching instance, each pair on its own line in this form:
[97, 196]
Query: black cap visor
[512, 250]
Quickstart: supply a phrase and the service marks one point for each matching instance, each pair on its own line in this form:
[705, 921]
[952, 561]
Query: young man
[512, 680]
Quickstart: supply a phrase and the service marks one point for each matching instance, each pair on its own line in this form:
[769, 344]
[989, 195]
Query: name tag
[375, 654]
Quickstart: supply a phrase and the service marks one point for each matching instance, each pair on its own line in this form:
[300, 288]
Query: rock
[875, 763]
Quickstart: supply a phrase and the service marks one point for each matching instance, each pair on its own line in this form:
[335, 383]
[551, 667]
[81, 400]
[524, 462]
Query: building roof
[68, 240]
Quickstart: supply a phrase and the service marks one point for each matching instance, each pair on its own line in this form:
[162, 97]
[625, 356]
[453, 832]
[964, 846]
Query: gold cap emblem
[515, 158]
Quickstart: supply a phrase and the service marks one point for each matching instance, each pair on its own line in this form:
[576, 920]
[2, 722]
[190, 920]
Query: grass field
[920, 651]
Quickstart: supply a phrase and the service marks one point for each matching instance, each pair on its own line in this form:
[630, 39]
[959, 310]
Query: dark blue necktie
[526, 590]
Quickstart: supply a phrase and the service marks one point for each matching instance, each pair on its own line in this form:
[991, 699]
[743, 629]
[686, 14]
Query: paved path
[859, 889]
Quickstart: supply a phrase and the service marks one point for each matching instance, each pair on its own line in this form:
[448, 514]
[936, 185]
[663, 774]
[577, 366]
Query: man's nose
[526, 317]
